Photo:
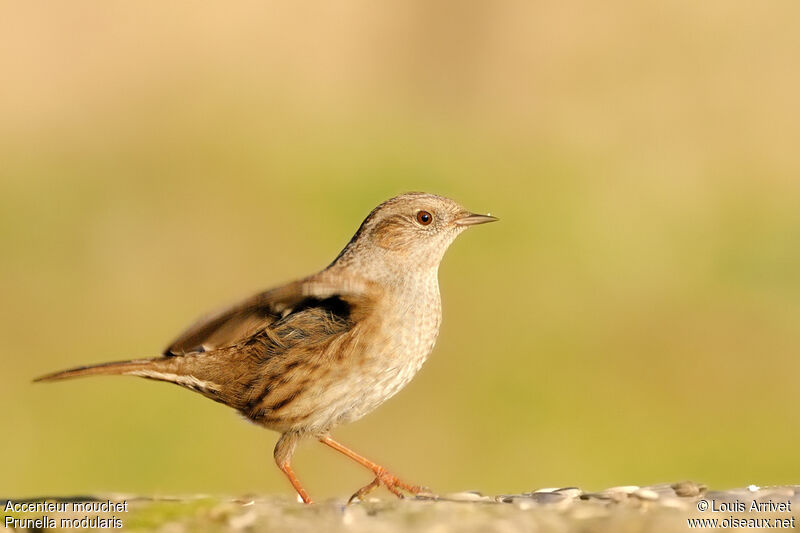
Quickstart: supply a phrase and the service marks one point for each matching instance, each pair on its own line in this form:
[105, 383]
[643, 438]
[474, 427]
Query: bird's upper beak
[470, 219]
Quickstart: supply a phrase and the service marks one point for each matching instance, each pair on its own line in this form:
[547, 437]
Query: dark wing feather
[241, 321]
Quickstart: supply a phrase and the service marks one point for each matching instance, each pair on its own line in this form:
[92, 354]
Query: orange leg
[287, 469]
[284, 450]
[382, 477]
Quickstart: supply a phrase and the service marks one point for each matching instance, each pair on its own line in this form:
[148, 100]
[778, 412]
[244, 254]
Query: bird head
[410, 232]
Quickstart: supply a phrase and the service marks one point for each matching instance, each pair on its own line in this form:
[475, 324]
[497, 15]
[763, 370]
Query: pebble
[546, 498]
[570, 492]
[466, 496]
[616, 494]
[688, 489]
[625, 489]
[664, 490]
[645, 494]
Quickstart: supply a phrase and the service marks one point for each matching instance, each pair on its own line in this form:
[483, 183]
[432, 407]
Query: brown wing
[236, 323]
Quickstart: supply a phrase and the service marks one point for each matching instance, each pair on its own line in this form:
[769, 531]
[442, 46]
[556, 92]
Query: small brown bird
[305, 357]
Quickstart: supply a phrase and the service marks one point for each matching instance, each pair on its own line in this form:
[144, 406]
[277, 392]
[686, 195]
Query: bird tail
[103, 369]
[186, 371]
[178, 370]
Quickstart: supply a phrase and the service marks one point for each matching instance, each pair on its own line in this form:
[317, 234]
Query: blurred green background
[633, 318]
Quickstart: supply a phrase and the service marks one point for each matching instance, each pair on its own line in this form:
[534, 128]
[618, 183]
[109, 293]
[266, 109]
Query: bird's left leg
[284, 450]
[382, 476]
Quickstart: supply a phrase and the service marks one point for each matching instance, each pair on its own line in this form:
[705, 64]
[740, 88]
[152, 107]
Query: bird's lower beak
[471, 219]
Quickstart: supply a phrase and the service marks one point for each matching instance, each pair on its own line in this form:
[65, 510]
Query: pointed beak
[471, 219]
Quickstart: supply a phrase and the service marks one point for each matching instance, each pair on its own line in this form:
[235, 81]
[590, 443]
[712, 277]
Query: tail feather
[103, 369]
[178, 370]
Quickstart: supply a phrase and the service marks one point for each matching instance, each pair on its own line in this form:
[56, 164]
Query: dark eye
[424, 218]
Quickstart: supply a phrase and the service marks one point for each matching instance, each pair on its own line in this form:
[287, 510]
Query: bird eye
[424, 218]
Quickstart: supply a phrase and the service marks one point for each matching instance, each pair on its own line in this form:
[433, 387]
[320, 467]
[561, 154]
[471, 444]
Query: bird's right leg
[283, 456]
[382, 476]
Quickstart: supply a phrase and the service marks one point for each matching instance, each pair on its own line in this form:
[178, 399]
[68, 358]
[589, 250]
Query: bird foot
[392, 484]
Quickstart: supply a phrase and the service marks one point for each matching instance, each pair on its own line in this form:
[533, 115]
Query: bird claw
[392, 484]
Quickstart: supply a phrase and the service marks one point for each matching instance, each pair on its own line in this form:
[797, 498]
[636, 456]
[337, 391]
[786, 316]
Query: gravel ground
[665, 507]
